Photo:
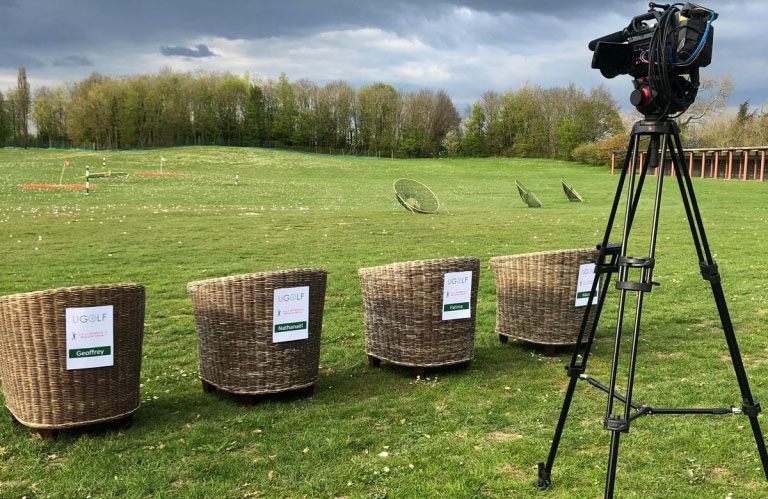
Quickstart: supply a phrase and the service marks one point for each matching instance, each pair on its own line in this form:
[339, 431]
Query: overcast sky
[463, 47]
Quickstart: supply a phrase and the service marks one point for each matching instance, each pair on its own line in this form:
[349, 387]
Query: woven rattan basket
[403, 313]
[39, 390]
[236, 352]
[536, 295]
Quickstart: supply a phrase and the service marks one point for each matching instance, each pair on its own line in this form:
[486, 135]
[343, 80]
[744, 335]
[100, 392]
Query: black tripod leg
[709, 270]
[613, 458]
[615, 424]
[545, 470]
[544, 480]
[647, 273]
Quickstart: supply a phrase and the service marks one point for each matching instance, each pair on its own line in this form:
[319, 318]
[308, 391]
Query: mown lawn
[475, 433]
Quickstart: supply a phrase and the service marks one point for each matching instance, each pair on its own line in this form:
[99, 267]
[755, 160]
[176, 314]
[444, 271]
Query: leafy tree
[306, 131]
[497, 130]
[529, 123]
[286, 113]
[379, 108]
[451, 143]
[4, 122]
[23, 104]
[254, 117]
[474, 143]
[743, 116]
[44, 117]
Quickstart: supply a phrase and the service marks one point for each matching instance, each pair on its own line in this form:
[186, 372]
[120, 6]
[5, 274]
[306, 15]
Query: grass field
[475, 433]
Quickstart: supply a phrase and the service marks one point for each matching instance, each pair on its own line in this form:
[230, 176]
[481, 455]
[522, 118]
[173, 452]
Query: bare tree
[713, 92]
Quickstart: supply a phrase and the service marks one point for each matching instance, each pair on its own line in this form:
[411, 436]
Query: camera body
[662, 50]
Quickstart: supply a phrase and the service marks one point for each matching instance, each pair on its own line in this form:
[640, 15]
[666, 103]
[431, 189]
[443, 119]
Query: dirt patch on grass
[158, 174]
[510, 470]
[498, 436]
[669, 355]
[65, 187]
[719, 472]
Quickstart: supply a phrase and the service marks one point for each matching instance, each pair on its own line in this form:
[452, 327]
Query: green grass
[475, 433]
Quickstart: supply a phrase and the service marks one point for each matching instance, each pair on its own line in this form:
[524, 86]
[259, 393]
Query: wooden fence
[739, 163]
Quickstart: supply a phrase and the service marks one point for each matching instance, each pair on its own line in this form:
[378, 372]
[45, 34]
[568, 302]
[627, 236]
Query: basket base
[549, 350]
[250, 399]
[418, 371]
[53, 433]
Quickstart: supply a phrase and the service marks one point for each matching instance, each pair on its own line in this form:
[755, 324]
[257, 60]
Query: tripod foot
[544, 481]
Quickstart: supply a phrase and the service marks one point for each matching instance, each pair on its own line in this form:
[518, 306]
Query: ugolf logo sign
[290, 317]
[90, 337]
[584, 285]
[457, 293]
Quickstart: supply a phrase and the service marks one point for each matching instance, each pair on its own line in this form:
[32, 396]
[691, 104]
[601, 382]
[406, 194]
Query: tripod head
[662, 50]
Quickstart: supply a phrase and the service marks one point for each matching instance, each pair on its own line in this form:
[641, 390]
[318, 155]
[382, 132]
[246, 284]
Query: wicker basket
[236, 352]
[403, 313]
[39, 390]
[536, 295]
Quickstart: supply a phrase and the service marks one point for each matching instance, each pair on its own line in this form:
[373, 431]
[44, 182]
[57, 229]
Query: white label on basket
[457, 294]
[90, 337]
[290, 314]
[586, 278]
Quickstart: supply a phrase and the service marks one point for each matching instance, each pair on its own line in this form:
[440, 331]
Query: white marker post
[87, 180]
[63, 167]
[103, 162]
[162, 160]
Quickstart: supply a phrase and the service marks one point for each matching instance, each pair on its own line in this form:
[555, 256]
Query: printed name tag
[290, 314]
[457, 293]
[90, 337]
[586, 278]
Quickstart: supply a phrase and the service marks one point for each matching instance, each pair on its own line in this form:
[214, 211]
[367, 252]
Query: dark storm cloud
[38, 23]
[72, 61]
[201, 50]
[464, 47]
[13, 59]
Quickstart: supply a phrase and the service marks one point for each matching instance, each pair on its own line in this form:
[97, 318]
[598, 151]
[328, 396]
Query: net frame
[528, 197]
[402, 196]
[571, 193]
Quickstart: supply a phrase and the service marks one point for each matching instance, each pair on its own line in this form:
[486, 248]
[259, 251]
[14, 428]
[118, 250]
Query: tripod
[664, 136]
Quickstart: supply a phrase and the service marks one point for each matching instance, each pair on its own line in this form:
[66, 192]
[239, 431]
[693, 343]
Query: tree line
[170, 108]
[202, 108]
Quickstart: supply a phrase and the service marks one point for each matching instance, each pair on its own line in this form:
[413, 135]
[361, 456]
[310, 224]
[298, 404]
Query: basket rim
[252, 275]
[418, 262]
[71, 289]
[504, 258]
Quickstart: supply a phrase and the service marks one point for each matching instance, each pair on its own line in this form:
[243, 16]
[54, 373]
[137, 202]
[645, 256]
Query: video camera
[662, 50]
